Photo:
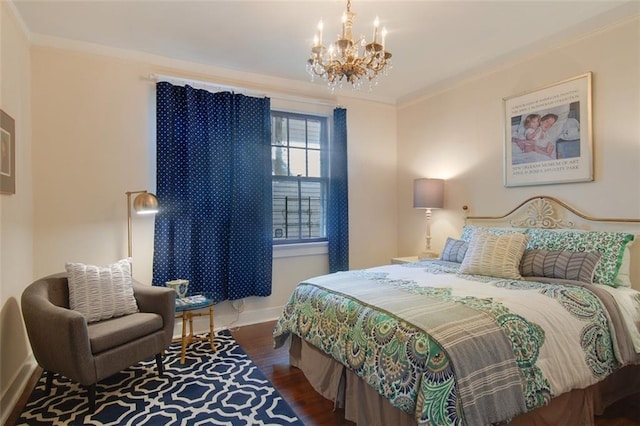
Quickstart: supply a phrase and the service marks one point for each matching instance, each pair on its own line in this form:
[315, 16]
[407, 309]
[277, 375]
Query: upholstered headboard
[545, 212]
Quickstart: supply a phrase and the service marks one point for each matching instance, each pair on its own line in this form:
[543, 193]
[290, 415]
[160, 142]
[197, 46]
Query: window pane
[312, 208]
[313, 134]
[298, 216]
[285, 220]
[314, 163]
[279, 160]
[298, 162]
[298, 132]
[278, 131]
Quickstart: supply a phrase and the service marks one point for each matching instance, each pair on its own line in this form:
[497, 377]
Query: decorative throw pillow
[101, 292]
[454, 250]
[469, 230]
[611, 245]
[624, 273]
[577, 266]
[495, 255]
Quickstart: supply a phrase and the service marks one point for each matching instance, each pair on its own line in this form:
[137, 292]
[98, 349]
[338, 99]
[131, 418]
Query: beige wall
[372, 183]
[94, 139]
[457, 135]
[16, 211]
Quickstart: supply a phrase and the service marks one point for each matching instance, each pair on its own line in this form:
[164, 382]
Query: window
[299, 169]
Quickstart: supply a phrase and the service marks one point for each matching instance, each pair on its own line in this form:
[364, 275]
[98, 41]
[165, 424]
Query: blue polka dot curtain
[338, 201]
[214, 189]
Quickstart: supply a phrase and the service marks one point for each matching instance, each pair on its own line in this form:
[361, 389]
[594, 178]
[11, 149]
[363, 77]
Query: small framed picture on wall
[7, 154]
[548, 135]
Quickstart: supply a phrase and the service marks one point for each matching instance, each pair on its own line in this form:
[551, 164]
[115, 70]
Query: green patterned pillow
[468, 230]
[611, 245]
[494, 255]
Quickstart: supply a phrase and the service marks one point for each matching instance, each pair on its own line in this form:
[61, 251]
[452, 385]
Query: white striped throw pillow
[494, 255]
[101, 292]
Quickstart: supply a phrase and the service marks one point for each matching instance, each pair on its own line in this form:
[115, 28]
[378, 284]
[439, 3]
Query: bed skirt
[364, 406]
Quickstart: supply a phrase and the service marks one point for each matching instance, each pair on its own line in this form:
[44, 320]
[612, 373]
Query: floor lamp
[144, 203]
[428, 194]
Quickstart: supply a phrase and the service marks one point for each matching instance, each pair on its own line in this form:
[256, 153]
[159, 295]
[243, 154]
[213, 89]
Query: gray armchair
[65, 344]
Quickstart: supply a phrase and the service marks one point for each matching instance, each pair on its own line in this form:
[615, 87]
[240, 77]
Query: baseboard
[16, 388]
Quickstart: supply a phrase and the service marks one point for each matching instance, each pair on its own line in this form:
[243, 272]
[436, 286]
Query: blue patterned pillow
[454, 250]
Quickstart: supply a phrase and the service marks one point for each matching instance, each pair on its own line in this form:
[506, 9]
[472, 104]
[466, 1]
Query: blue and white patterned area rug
[221, 388]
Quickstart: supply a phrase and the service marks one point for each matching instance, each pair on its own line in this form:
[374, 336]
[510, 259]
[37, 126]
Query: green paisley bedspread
[454, 349]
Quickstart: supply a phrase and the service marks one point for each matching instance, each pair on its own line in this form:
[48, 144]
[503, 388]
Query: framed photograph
[548, 134]
[7, 154]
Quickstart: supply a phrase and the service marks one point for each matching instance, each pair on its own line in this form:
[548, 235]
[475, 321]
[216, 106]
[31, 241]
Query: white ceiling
[433, 43]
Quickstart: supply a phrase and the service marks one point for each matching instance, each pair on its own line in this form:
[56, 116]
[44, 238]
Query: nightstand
[407, 259]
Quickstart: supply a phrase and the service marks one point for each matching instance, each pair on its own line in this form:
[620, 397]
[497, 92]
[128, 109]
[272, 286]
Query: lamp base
[428, 255]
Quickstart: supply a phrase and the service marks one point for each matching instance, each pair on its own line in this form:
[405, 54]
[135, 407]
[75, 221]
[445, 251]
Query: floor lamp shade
[428, 193]
[144, 203]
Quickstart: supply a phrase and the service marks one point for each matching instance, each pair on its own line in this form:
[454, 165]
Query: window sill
[302, 249]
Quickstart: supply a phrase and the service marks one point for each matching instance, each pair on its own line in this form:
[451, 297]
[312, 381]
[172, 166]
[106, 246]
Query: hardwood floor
[312, 408]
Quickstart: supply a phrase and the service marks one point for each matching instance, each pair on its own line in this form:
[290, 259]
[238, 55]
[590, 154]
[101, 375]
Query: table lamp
[428, 194]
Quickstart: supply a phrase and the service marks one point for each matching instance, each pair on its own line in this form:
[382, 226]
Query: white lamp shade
[428, 193]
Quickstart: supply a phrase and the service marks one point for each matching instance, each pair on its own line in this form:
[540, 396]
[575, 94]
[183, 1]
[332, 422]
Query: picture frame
[548, 134]
[7, 154]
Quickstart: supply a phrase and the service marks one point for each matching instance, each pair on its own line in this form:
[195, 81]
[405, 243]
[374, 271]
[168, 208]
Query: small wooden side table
[185, 310]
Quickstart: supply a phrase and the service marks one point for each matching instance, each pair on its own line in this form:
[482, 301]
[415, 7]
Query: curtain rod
[237, 89]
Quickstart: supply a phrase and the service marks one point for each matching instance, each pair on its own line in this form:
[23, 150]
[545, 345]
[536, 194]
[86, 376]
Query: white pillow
[494, 255]
[101, 292]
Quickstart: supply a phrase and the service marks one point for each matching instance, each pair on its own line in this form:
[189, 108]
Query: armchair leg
[91, 397]
[49, 382]
[159, 364]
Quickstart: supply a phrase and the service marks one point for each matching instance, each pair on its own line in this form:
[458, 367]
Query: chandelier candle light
[344, 60]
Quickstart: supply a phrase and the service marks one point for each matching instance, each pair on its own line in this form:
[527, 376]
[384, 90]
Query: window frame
[323, 179]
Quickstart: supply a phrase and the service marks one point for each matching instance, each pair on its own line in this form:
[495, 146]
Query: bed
[528, 317]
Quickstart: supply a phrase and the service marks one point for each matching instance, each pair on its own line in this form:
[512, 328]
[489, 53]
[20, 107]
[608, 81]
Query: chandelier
[347, 60]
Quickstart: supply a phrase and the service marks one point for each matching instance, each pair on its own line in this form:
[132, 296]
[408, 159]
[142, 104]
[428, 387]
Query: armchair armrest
[59, 338]
[158, 300]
